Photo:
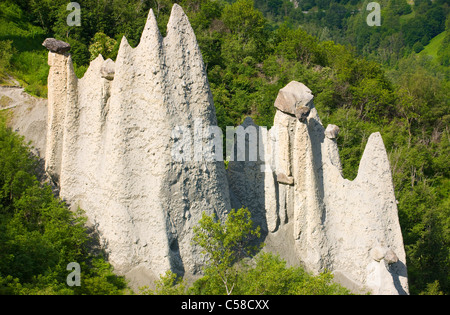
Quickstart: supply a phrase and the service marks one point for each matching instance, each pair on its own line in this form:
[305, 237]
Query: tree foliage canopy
[39, 235]
[233, 268]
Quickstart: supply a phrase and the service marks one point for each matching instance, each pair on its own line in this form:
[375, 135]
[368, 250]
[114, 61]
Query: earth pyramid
[135, 144]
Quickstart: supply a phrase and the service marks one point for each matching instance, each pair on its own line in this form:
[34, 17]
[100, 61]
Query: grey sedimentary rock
[56, 46]
[283, 179]
[324, 220]
[390, 257]
[108, 69]
[109, 146]
[332, 131]
[292, 96]
[134, 144]
[378, 253]
[302, 113]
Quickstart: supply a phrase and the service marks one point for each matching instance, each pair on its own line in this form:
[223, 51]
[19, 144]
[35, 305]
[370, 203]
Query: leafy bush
[39, 236]
[230, 270]
[6, 53]
[225, 244]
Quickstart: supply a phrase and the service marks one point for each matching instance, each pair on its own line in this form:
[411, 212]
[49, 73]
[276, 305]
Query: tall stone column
[58, 60]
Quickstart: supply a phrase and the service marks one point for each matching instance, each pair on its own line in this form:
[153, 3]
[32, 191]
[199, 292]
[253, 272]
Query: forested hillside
[39, 236]
[392, 78]
[405, 26]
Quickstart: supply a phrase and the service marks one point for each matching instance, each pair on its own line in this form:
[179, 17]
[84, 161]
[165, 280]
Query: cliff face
[110, 141]
[135, 144]
[309, 212]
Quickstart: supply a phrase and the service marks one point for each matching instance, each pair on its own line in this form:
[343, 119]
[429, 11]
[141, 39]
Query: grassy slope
[432, 48]
[29, 60]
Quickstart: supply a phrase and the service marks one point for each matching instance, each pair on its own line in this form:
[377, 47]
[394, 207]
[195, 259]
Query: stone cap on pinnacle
[294, 96]
[56, 46]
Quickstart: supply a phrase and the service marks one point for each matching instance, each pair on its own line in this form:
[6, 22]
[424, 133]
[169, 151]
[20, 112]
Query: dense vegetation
[393, 79]
[228, 246]
[404, 28]
[39, 236]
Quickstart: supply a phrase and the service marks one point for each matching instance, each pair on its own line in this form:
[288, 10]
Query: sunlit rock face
[135, 144]
[309, 213]
[110, 142]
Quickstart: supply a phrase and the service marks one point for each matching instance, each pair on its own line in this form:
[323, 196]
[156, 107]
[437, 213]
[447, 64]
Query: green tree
[298, 45]
[6, 53]
[399, 7]
[444, 51]
[225, 244]
[335, 15]
[44, 12]
[39, 235]
[247, 31]
[168, 284]
[269, 275]
[104, 45]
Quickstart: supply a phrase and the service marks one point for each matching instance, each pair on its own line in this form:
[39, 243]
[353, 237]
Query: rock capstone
[332, 131]
[108, 69]
[56, 46]
[292, 96]
[390, 257]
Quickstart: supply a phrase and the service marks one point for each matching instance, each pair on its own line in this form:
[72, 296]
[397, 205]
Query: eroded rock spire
[111, 149]
[311, 212]
[110, 143]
